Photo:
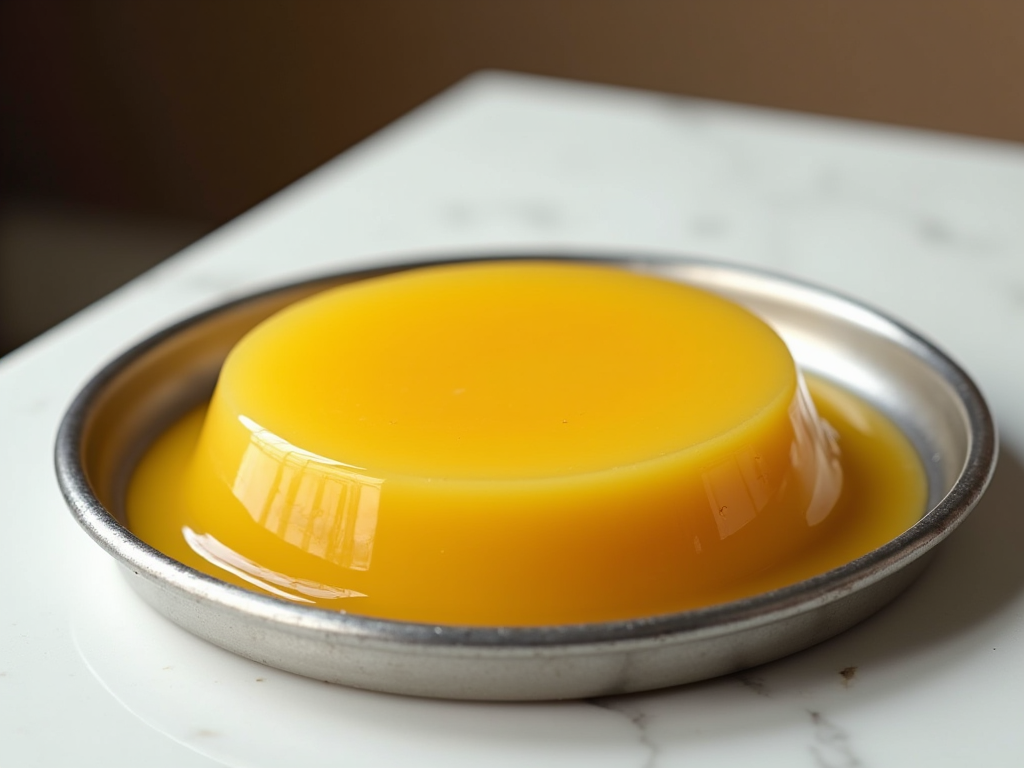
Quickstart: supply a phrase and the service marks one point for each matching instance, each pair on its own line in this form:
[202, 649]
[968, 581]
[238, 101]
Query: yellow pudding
[520, 443]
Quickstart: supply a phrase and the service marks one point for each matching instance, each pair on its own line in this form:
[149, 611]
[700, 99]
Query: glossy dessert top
[506, 370]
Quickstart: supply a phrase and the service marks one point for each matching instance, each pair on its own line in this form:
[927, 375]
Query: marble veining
[638, 719]
[831, 747]
[755, 684]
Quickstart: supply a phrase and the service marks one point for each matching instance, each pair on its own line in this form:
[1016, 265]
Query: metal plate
[940, 409]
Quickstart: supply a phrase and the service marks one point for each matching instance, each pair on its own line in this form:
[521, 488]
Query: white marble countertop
[928, 227]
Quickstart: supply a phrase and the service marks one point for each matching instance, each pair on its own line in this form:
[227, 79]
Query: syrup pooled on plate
[521, 443]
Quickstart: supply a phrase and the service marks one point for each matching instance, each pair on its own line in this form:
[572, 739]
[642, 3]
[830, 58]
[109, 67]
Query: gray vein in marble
[755, 684]
[831, 747]
[639, 722]
[938, 232]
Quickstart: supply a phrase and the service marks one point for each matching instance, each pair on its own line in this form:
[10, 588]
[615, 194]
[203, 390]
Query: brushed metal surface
[936, 404]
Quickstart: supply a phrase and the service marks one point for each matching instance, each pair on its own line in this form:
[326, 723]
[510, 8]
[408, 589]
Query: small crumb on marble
[848, 674]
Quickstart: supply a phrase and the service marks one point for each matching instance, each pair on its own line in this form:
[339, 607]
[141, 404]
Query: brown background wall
[191, 111]
[201, 108]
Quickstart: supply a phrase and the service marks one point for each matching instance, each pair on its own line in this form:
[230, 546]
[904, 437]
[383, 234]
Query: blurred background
[129, 128]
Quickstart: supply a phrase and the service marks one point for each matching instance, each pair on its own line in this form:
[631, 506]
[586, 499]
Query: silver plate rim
[777, 605]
